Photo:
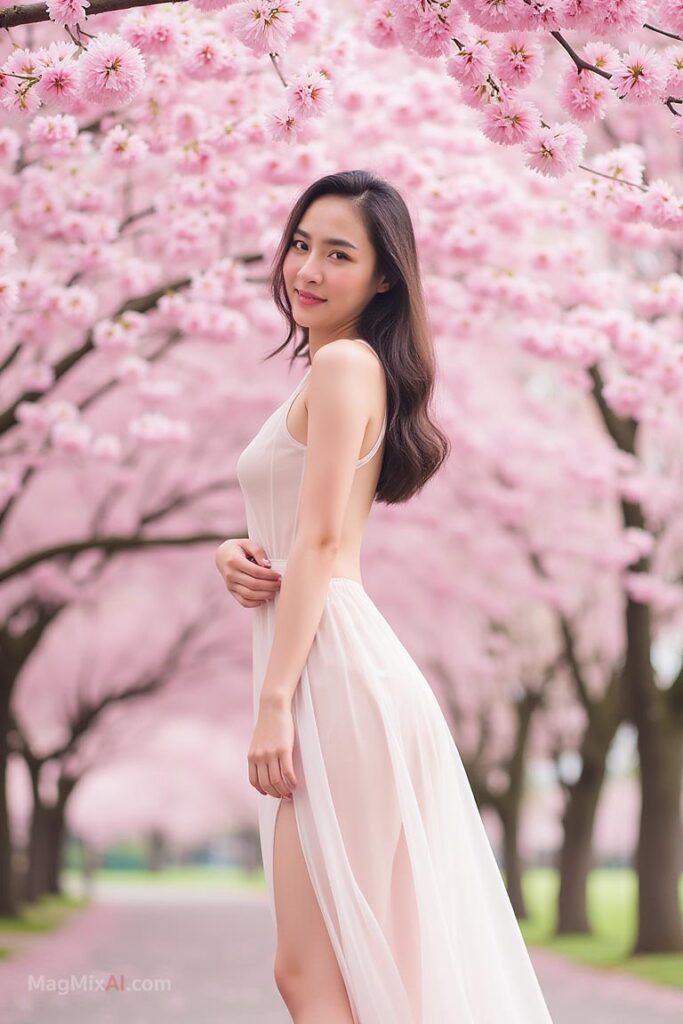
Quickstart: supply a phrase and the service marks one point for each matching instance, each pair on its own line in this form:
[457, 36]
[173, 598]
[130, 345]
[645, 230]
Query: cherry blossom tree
[146, 172]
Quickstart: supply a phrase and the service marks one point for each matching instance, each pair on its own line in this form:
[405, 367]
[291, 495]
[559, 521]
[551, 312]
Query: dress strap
[368, 456]
[290, 401]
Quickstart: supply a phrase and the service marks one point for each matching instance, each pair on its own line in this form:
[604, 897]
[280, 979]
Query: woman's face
[332, 258]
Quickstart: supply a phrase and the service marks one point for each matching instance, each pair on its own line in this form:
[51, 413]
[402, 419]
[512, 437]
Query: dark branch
[142, 304]
[30, 14]
[622, 432]
[109, 545]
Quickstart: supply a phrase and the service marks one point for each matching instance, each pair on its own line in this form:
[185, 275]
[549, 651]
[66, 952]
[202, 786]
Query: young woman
[386, 896]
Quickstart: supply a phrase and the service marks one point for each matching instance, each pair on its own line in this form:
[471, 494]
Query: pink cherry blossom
[203, 58]
[10, 144]
[211, 5]
[106, 447]
[641, 76]
[610, 17]
[647, 588]
[626, 395]
[37, 377]
[661, 205]
[8, 247]
[671, 13]
[120, 335]
[34, 416]
[502, 16]
[510, 121]
[132, 369]
[67, 12]
[380, 25]
[59, 74]
[154, 391]
[473, 62]
[555, 150]
[265, 26]
[59, 86]
[584, 95]
[123, 148]
[155, 428]
[154, 32]
[308, 94]
[9, 294]
[284, 125]
[71, 436]
[111, 71]
[433, 28]
[54, 130]
[659, 297]
[519, 59]
[19, 94]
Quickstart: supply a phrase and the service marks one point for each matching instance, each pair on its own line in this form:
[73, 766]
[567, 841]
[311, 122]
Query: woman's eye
[337, 252]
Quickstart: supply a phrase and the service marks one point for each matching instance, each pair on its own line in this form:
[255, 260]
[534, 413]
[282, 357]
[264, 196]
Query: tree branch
[30, 14]
[108, 544]
[573, 663]
[622, 432]
[142, 304]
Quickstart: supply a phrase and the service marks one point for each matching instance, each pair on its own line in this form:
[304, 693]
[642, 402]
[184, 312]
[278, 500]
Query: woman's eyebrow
[328, 241]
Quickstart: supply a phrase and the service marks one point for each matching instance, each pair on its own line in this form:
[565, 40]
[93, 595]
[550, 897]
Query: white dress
[413, 899]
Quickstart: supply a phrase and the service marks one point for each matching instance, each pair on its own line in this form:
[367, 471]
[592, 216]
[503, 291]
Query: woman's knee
[290, 977]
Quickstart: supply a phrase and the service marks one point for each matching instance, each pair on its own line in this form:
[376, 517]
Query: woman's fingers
[276, 779]
[264, 779]
[268, 779]
[287, 766]
[254, 780]
[247, 589]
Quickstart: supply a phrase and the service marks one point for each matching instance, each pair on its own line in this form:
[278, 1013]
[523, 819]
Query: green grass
[44, 916]
[190, 875]
[612, 908]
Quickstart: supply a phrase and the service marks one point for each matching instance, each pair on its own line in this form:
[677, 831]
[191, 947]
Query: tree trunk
[35, 880]
[513, 864]
[65, 788]
[658, 858]
[578, 821]
[46, 837]
[8, 907]
[575, 860]
[156, 850]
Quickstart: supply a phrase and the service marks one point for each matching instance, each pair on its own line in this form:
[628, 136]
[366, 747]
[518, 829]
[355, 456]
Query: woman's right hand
[243, 564]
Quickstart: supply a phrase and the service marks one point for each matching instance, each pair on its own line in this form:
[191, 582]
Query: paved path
[214, 951]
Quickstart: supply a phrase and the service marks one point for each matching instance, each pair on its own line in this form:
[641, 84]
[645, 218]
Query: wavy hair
[394, 322]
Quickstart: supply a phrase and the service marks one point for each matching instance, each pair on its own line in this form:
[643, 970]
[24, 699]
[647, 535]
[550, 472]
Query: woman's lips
[306, 301]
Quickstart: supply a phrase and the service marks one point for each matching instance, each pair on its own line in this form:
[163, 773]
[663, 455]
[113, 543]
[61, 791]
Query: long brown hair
[394, 322]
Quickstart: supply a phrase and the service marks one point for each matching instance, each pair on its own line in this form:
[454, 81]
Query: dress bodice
[270, 472]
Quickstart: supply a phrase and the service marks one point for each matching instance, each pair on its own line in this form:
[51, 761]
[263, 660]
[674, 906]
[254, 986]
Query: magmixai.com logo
[95, 983]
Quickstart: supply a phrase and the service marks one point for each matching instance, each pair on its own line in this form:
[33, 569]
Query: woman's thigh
[305, 956]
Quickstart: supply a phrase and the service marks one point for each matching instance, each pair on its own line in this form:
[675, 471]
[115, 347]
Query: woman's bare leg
[306, 969]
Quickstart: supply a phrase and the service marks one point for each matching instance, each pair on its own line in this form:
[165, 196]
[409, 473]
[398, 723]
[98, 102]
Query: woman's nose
[310, 267]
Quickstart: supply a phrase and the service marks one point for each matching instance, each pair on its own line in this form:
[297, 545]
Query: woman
[388, 902]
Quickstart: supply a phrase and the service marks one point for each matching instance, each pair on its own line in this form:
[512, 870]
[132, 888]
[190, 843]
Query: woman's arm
[342, 387]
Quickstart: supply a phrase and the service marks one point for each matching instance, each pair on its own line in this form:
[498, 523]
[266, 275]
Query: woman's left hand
[271, 768]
